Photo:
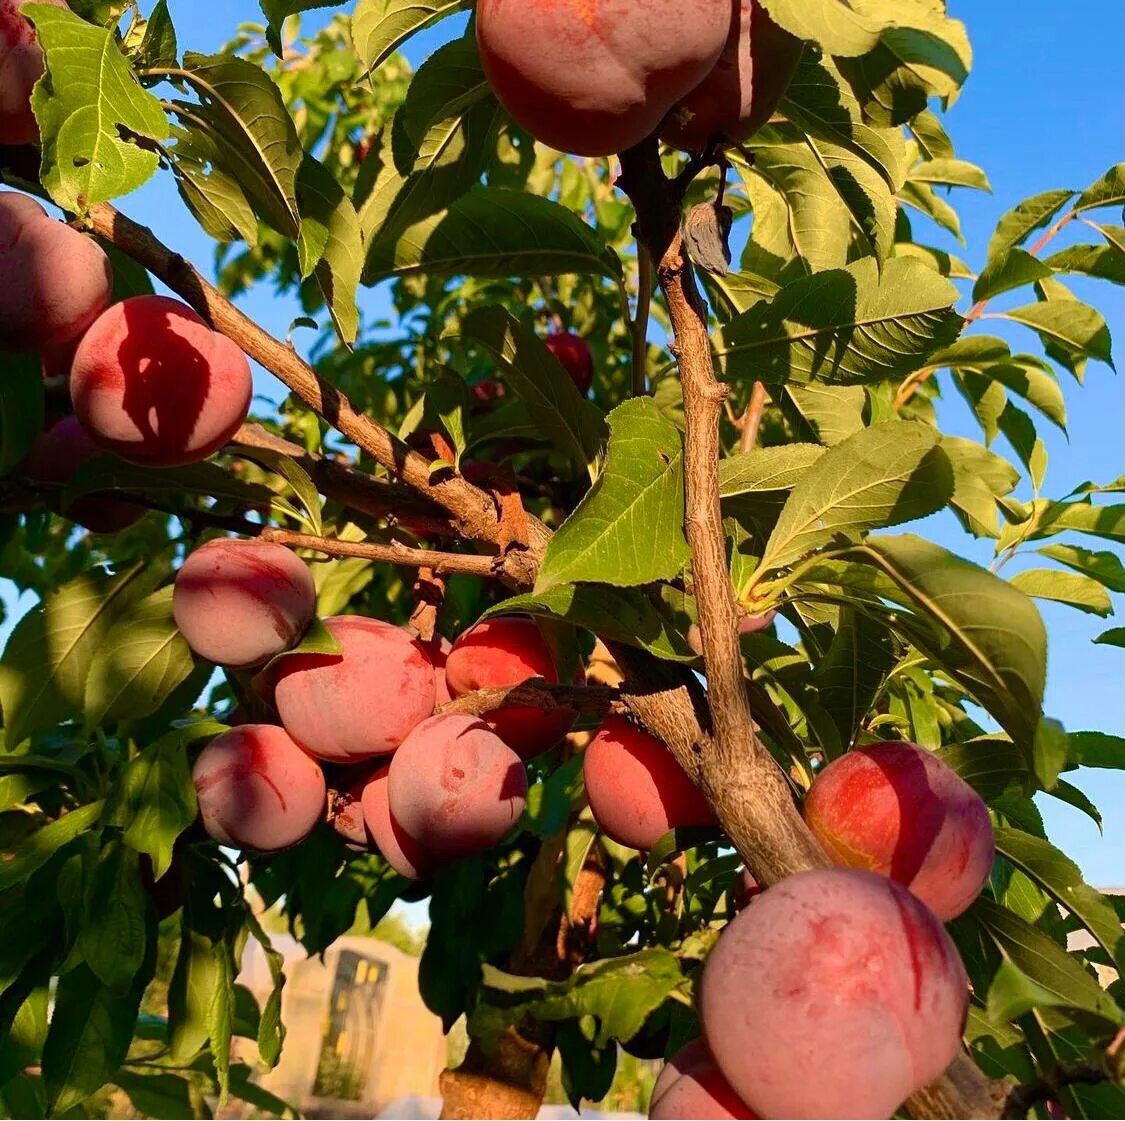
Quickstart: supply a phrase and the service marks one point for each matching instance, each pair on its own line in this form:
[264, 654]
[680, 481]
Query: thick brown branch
[588, 700]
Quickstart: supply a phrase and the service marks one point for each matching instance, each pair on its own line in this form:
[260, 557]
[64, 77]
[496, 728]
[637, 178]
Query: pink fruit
[154, 384]
[744, 88]
[690, 1085]
[637, 790]
[55, 281]
[238, 603]
[438, 650]
[398, 848]
[456, 788]
[21, 66]
[362, 702]
[346, 809]
[594, 77]
[54, 458]
[837, 994]
[574, 353]
[502, 652]
[896, 809]
[257, 789]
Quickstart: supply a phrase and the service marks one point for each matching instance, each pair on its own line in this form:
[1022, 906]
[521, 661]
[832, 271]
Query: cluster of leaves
[419, 182]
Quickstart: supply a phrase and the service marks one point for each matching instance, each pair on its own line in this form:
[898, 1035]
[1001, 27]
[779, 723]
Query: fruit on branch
[637, 790]
[837, 994]
[438, 651]
[345, 805]
[574, 353]
[257, 789]
[238, 603]
[362, 702]
[504, 652]
[594, 77]
[154, 384]
[897, 809]
[690, 1085]
[55, 281]
[455, 787]
[404, 854]
[21, 66]
[55, 457]
[744, 88]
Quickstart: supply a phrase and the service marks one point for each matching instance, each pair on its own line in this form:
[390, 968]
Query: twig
[638, 324]
[587, 700]
[1023, 1097]
[751, 421]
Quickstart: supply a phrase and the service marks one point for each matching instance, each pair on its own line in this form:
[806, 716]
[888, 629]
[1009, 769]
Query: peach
[154, 384]
[455, 787]
[896, 809]
[637, 790]
[257, 789]
[690, 1085]
[502, 652]
[345, 807]
[438, 650]
[362, 702]
[238, 603]
[837, 994]
[397, 847]
[594, 77]
[21, 66]
[574, 353]
[56, 455]
[745, 86]
[54, 281]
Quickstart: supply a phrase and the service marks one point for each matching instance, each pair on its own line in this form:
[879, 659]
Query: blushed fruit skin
[594, 77]
[54, 281]
[637, 790]
[56, 455]
[744, 88]
[574, 353]
[21, 66]
[362, 702]
[257, 789]
[438, 650]
[898, 810]
[690, 1085]
[501, 652]
[455, 787]
[398, 848]
[346, 807]
[154, 384]
[238, 603]
[837, 994]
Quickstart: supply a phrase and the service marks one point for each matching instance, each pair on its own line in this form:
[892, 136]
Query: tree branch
[638, 325]
[751, 421]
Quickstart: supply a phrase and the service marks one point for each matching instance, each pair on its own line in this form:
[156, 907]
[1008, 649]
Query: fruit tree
[574, 591]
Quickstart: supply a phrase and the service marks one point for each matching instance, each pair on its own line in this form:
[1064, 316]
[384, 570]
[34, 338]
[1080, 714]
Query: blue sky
[1042, 109]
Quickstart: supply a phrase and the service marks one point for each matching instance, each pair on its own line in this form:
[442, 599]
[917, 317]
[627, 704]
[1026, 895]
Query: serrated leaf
[992, 765]
[21, 408]
[1115, 636]
[1102, 262]
[927, 201]
[1023, 220]
[214, 196]
[1014, 269]
[845, 326]
[113, 935]
[40, 846]
[949, 172]
[278, 11]
[1109, 190]
[380, 27]
[1078, 327]
[628, 530]
[766, 469]
[1096, 749]
[87, 103]
[157, 47]
[980, 477]
[831, 412]
[882, 476]
[1071, 588]
[1034, 385]
[943, 263]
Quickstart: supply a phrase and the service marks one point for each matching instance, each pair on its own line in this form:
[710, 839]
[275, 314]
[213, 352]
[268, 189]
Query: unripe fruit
[21, 66]
[54, 281]
[637, 790]
[574, 353]
[154, 384]
[454, 787]
[503, 652]
[362, 702]
[690, 1085]
[837, 994]
[257, 789]
[239, 603]
[397, 847]
[744, 88]
[56, 455]
[594, 77]
[896, 809]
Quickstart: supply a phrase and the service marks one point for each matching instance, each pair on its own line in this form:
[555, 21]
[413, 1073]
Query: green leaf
[766, 469]
[1103, 262]
[943, 263]
[491, 232]
[36, 850]
[48, 657]
[992, 765]
[113, 936]
[380, 27]
[1051, 518]
[211, 193]
[271, 1030]
[1076, 326]
[1096, 749]
[882, 476]
[1071, 588]
[21, 408]
[138, 665]
[86, 105]
[573, 425]
[831, 413]
[1109, 190]
[1035, 385]
[1115, 636]
[278, 11]
[628, 530]
[845, 326]
[158, 1095]
[616, 614]
[157, 46]
[950, 172]
[925, 199]
[980, 477]
[1014, 269]
[1018, 224]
